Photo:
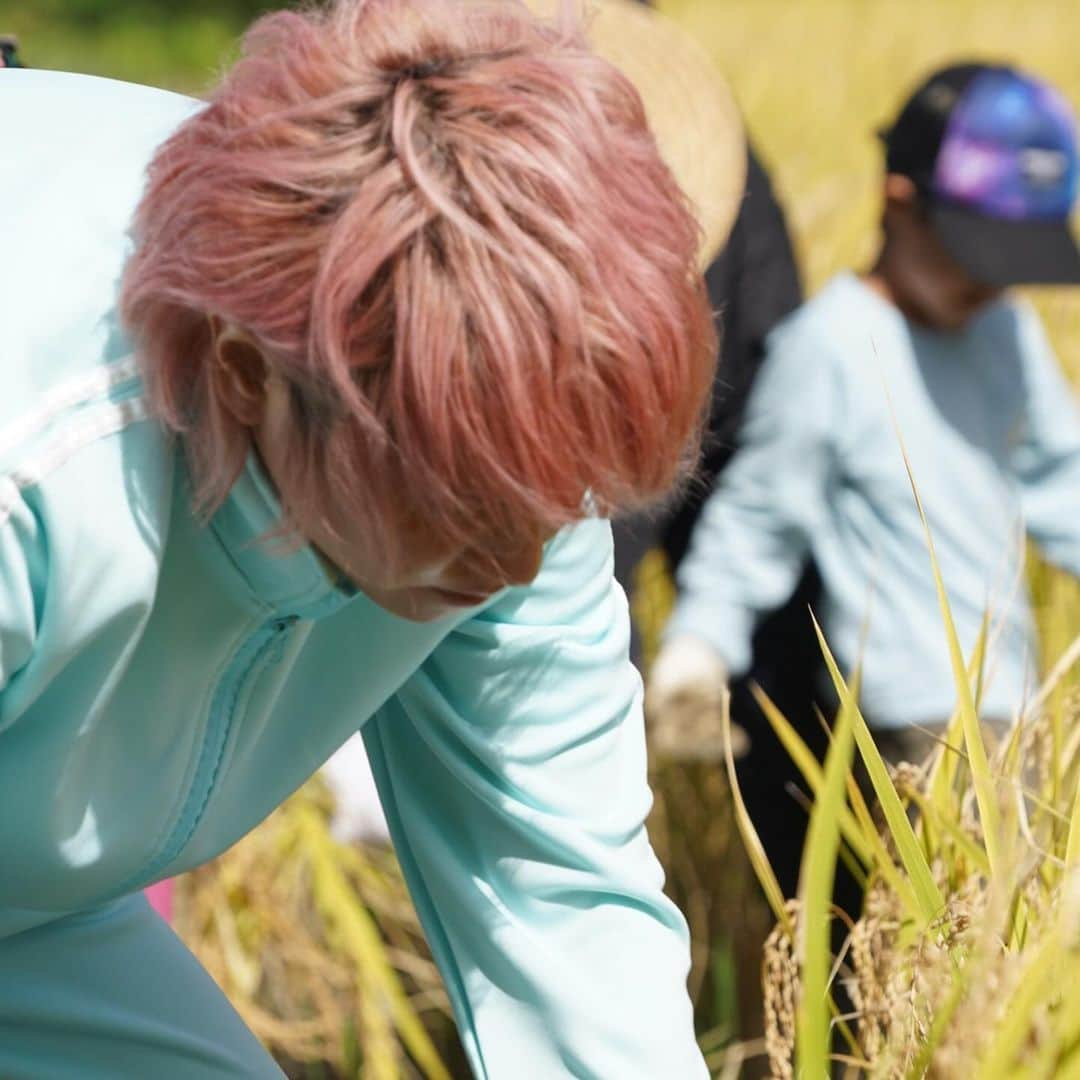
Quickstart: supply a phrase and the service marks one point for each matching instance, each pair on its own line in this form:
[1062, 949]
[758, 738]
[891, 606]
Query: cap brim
[1001, 253]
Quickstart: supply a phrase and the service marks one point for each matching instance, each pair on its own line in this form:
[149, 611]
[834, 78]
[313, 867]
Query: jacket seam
[162, 842]
[259, 656]
[176, 837]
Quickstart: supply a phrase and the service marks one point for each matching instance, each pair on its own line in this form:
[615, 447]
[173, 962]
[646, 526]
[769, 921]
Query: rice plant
[319, 948]
[957, 965]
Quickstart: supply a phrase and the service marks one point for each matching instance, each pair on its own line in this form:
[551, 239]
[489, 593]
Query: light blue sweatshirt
[993, 433]
[164, 686]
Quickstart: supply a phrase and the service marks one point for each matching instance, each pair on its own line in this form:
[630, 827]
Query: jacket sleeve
[1047, 455]
[751, 541]
[18, 609]
[512, 768]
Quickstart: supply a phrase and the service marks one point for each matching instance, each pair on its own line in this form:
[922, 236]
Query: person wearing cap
[314, 396]
[981, 177]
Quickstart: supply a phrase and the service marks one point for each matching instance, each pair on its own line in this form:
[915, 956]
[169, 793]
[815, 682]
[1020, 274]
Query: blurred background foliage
[178, 45]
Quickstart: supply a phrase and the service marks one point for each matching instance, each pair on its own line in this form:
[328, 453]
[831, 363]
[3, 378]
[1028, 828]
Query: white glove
[684, 699]
[358, 813]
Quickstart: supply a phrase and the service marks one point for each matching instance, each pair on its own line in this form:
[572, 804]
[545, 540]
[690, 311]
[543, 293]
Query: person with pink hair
[316, 398]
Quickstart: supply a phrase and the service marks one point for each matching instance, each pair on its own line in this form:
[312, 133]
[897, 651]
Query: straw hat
[690, 107]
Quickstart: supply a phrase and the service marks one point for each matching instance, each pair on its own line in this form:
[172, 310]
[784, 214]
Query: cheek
[940, 291]
[275, 439]
[276, 428]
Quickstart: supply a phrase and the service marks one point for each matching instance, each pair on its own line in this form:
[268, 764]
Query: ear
[900, 192]
[240, 372]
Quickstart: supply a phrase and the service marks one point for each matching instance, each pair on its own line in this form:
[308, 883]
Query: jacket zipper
[249, 662]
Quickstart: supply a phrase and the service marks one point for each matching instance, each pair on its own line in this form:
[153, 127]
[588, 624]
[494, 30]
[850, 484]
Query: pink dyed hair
[449, 225]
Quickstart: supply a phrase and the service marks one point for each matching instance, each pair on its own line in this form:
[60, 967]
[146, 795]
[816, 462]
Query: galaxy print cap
[993, 153]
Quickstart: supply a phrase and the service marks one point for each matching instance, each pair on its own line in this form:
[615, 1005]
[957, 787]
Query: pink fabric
[161, 898]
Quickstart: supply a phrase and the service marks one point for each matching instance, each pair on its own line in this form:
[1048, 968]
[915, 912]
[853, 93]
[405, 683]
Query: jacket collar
[290, 580]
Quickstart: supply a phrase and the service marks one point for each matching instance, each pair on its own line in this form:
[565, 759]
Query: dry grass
[319, 948]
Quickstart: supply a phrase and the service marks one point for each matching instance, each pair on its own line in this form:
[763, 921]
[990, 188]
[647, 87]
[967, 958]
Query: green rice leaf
[812, 772]
[954, 830]
[754, 848]
[927, 894]
[886, 867]
[816, 878]
[881, 859]
[985, 793]
[942, 779]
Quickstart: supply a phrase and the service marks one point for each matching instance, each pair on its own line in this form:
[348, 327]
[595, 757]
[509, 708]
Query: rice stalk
[319, 949]
[927, 893]
[816, 878]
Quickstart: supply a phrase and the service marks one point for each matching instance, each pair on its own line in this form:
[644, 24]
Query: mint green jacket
[165, 685]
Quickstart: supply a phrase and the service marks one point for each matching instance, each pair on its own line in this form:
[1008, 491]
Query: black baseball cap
[993, 154]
